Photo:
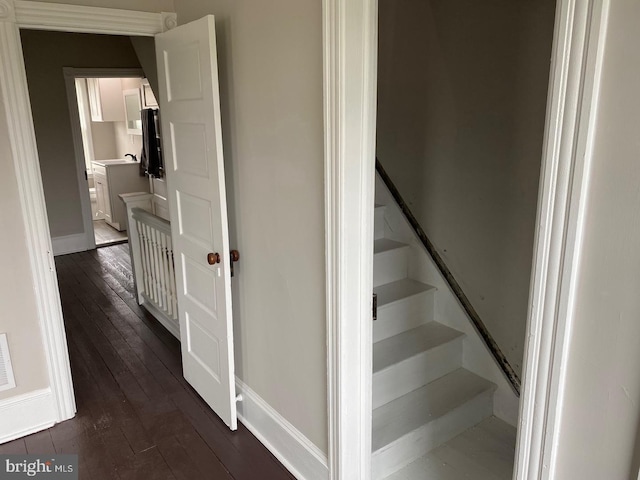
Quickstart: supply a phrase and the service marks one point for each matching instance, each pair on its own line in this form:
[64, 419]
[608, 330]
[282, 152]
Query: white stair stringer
[409, 360]
[426, 387]
[446, 308]
[409, 426]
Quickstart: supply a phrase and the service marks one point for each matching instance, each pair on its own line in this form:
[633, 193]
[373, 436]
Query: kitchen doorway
[109, 119]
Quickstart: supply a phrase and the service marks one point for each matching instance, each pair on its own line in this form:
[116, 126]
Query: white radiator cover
[7, 380]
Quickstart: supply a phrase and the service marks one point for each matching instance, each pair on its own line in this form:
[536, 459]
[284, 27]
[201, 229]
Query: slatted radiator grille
[156, 253]
[7, 379]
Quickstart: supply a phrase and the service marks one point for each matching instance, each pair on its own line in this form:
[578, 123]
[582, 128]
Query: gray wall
[461, 105]
[600, 422]
[270, 64]
[18, 318]
[46, 53]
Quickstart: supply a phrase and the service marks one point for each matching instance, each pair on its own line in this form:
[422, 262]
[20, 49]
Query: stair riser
[415, 444]
[390, 266]
[403, 315]
[415, 372]
[378, 225]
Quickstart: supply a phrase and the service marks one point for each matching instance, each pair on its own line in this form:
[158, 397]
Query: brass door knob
[235, 255]
[213, 258]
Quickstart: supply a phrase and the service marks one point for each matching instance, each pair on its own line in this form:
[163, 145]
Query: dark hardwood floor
[137, 417]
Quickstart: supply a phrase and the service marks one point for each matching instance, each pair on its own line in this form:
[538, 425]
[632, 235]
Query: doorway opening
[459, 141]
[110, 122]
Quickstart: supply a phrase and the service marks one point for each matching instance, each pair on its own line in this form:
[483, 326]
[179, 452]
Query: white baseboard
[69, 244]
[26, 414]
[296, 452]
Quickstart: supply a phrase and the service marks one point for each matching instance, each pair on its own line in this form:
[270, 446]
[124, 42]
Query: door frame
[350, 80]
[70, 75]
[350, 37]
[349, 60]
[572, 107]
[15, 15]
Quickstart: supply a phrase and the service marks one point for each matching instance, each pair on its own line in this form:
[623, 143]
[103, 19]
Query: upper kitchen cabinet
[105, 99]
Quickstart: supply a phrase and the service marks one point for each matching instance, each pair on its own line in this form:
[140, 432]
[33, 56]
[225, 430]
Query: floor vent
[7, 379]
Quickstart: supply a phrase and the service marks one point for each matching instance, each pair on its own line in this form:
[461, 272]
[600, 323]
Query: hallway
[137, 416]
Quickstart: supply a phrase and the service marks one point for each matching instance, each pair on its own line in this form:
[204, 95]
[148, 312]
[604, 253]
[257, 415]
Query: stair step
[410, 426]
[378, 222]
[412, 359]
[484, 452]
[390, 261]
[402, 305]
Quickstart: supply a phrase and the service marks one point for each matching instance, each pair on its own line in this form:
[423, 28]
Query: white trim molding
[26, 414]
[350, 78]
[296, 452]
[82, 19]
[70, 244]
[579, 39]
[22, 142]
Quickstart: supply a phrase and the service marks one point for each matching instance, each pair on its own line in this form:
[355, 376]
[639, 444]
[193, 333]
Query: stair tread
[394, 291]
[384, 245]
[407, 344]
[419, 407]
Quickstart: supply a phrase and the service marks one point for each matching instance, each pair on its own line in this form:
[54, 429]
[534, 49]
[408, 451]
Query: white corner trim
[579, 40]
[350, 76]
[296, 452]
[69, 244]
[83, 19]
[21, 137]
[26, 414]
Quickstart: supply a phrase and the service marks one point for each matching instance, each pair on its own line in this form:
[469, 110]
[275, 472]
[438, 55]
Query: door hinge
[86, 177]
[375, 306]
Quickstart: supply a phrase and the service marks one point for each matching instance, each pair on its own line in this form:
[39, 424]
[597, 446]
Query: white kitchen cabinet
[105, 99]
[111, 178]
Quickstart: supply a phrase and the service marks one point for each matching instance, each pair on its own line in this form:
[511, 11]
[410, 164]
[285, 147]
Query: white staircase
[422, 395]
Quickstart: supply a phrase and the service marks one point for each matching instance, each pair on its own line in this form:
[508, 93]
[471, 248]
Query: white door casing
[190, 106]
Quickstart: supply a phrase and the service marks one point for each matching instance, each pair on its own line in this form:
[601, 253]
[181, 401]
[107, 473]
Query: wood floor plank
[14, 447]
[40, 443]
[137, 416]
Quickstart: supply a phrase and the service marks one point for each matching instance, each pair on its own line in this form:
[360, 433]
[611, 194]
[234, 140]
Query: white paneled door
[190, 116]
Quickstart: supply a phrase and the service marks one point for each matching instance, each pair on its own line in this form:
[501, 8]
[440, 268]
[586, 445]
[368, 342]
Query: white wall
[270, 64]
[103, 137]
[46, 53]
[461, 105]
[600, 423]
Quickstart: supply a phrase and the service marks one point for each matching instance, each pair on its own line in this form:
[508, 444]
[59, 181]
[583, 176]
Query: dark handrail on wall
[455, 287]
